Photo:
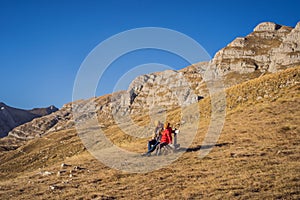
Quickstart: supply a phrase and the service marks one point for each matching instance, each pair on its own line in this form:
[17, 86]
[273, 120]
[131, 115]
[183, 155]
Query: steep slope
[257, 155]
[13, 117]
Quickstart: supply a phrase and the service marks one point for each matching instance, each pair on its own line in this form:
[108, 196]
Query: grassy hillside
[257, 155]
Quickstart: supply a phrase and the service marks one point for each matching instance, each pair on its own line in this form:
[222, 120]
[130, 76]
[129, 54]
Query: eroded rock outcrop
[269, 47]
[288, 53]
[168, 88]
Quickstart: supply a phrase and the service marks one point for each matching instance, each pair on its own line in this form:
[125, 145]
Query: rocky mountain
[269, 48]
[42, 124]
[12, 117]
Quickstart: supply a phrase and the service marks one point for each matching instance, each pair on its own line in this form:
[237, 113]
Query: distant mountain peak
[12, 117]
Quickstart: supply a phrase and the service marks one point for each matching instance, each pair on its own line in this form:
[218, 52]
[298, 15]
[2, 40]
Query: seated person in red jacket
[166, 137]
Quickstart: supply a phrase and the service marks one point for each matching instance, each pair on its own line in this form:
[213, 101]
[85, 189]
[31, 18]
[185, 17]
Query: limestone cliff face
[269, 47]
[164, 89]
[288, 53]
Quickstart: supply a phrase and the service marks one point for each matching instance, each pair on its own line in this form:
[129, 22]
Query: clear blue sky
[43, 43]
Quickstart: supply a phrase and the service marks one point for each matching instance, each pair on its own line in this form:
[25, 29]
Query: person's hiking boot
[177, 146]
[146, 154]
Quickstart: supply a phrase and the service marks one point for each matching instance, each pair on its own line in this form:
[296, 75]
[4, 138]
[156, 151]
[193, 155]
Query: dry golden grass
[257, 155]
